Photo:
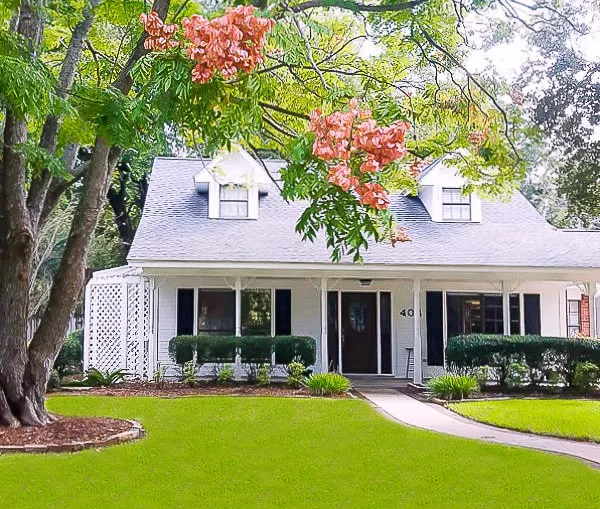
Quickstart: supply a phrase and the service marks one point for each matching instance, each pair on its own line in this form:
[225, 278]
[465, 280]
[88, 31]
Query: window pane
[454, 195]
[234, 193]
[573, 313]
[256, 312]
[515, 314]
[216, 311]
[456, 212]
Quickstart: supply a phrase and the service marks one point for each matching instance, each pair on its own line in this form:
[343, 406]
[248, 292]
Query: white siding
[306, 307]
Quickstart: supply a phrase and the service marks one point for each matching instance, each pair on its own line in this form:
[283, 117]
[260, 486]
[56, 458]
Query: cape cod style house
[216, 252]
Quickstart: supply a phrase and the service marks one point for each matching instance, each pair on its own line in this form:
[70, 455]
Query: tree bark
[25, 369]
[16, 247]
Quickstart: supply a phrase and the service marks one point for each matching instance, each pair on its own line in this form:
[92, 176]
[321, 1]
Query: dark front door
[359, 332]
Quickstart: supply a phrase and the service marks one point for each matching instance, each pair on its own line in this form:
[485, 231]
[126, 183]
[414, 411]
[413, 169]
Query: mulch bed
[177, 389]
[68, 434]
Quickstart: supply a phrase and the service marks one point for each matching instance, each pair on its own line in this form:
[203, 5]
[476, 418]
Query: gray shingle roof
[175, 227]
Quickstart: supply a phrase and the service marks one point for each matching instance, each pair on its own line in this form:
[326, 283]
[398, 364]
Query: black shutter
[385, 315]
[332, 331]
[435, 329]
[283, 312]
[185, 311]
[533, 321]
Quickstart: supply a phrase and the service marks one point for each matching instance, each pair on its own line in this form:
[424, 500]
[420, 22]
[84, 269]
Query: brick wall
[585, 315]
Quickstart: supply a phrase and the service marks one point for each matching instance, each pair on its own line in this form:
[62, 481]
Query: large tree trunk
[25, 369]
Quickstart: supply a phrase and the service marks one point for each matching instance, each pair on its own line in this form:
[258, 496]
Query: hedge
[252, 349]
[541, 354]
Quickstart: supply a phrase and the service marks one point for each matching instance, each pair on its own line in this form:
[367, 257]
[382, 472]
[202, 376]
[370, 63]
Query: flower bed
[177, 389]
[69, 434]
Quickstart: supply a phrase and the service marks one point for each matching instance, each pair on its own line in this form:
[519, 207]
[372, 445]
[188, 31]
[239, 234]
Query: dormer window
[233, 201]
[455, 205]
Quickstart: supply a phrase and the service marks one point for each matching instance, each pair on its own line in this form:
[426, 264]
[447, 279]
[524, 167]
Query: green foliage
[296, 374]
[452, 386]
[225, 374]
[290, 349]
[263, 376]
[586, 377]
[546, 354]
[516, 374]
[53, 381]
[207, 348]
[189, 372]
[70, 357]
[97, 378]
[255, 349]
[158, 377]
[327, 384]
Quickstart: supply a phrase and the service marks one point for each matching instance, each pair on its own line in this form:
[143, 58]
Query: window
[216, 311]
[477, 313]
[455, 205]
[256, 313]
[233, 201]
[573, 317]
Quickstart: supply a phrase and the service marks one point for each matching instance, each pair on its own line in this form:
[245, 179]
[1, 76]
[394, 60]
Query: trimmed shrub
[221, 349]
[586, 377]
[541, 354]
[290, 349]
[453, 386]
[256, 349]
[70, 357]
[327, 384]
[207, 348]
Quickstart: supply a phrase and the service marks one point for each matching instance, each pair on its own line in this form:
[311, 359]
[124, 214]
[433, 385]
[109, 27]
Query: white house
[214, 232]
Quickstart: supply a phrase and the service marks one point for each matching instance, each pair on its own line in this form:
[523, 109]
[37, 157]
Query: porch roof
[175, 228]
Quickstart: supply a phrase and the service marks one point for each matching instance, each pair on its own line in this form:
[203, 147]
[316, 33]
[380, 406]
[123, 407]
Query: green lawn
[221, 452]
[561, 417]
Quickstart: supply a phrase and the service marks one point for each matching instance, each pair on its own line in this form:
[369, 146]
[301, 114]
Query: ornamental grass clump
[327, 384]
[452, 386]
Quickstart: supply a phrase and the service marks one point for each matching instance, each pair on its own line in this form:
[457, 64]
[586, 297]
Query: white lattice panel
[118, 321]
[105, 350]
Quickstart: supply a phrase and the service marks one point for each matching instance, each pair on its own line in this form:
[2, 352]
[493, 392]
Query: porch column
[506, 308]
[591, 290]
[418, 353]
[238, 306]
[324, 353]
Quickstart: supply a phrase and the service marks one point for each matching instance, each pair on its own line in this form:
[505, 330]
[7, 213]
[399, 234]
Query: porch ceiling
[381, 272]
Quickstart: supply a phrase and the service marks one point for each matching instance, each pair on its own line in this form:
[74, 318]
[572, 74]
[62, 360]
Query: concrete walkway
[433, 417]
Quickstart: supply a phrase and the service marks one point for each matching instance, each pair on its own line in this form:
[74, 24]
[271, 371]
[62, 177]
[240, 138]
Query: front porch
[365, 322]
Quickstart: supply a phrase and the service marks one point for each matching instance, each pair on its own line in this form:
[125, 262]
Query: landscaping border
[136, 432]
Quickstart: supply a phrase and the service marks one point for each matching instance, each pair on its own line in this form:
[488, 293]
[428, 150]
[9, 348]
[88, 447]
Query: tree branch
[285, 111]
[356, 6]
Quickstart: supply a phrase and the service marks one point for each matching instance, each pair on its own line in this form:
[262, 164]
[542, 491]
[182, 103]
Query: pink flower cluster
[160, 35]
[343, 135]
[229, 44]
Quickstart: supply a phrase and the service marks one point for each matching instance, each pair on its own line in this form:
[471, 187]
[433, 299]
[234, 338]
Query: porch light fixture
[365, 282]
